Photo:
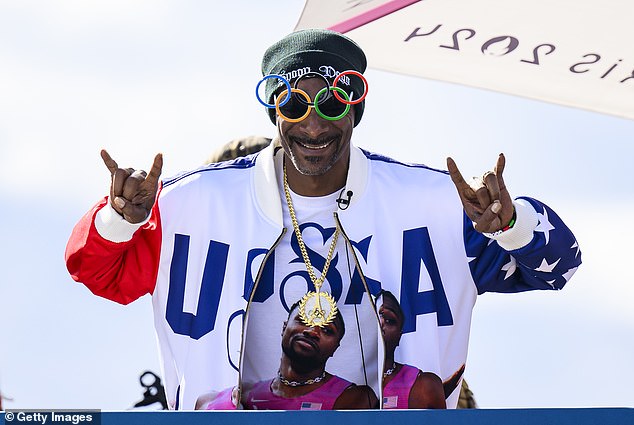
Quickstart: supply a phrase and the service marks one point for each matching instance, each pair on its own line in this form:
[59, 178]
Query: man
[302, 382]
[223, 248]
[405, 386]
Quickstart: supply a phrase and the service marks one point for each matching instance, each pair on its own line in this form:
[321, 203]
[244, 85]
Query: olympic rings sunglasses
[331, 103]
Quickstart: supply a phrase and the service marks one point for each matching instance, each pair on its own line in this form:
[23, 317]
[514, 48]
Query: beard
[320, 163]
[302, 362]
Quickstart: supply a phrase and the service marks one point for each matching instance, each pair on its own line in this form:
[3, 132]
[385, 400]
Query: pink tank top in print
[323, 398]
[222, 401]
[396, 392]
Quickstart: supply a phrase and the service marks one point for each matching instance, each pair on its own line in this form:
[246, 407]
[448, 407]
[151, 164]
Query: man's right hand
[133, 192]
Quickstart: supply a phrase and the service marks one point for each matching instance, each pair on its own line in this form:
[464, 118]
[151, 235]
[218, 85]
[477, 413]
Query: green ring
[326, 117]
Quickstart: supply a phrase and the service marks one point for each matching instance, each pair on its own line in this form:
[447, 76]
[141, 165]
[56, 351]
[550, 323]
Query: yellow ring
[279, 99]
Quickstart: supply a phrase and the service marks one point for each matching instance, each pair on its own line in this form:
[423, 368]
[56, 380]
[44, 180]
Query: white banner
[569, 52]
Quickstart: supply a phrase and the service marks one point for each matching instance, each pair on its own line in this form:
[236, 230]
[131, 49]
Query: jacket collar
[266, 191]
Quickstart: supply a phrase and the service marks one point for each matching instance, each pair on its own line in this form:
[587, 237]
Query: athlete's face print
[310, 345]
[316, 145]
[391, 323]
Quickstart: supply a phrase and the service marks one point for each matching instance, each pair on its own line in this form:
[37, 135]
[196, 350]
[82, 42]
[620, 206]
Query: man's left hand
[486, 200]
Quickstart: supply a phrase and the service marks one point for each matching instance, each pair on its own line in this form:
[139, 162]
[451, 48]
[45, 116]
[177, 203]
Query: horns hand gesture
[133, 192]
[485, 200]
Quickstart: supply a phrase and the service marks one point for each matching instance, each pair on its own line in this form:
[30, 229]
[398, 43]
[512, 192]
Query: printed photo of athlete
[302, 382]
[404, 386]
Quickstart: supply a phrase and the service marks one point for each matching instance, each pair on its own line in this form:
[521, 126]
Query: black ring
[301, 99]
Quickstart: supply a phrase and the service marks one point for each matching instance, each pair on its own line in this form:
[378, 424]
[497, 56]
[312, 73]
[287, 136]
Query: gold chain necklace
[316, 316]
[300, 383]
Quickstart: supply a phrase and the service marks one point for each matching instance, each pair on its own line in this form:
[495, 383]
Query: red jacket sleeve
[120, 272]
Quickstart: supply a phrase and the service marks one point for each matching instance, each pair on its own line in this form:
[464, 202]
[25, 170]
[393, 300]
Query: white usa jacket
[207, 250]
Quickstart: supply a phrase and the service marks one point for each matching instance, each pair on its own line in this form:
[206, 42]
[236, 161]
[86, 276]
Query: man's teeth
[316, 146]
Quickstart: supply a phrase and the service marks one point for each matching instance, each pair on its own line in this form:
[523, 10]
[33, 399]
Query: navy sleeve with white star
[547, 262]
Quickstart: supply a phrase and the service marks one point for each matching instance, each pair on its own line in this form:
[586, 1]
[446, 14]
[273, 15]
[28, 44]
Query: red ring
[365, 87]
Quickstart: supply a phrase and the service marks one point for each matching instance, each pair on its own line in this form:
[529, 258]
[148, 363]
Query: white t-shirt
[357, 357]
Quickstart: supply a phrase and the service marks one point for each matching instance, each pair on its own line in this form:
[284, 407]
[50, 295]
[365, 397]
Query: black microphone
[344, 203]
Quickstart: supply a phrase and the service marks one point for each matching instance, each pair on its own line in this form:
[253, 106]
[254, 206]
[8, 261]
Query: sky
[178, 77]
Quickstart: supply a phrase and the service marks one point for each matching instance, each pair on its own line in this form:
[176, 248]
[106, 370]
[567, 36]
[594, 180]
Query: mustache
[306, 339]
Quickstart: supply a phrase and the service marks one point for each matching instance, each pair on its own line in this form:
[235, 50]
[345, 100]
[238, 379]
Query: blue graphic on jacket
[333, 277]
[417, 251]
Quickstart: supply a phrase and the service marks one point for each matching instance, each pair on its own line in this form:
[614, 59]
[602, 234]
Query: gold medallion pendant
[316, 308]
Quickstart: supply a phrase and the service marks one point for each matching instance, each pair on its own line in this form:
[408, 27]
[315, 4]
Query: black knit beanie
[314, 50]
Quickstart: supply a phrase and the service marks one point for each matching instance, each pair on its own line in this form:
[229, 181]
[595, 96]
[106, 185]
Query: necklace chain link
[389, 371]
[300, 383]
[302, 246]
